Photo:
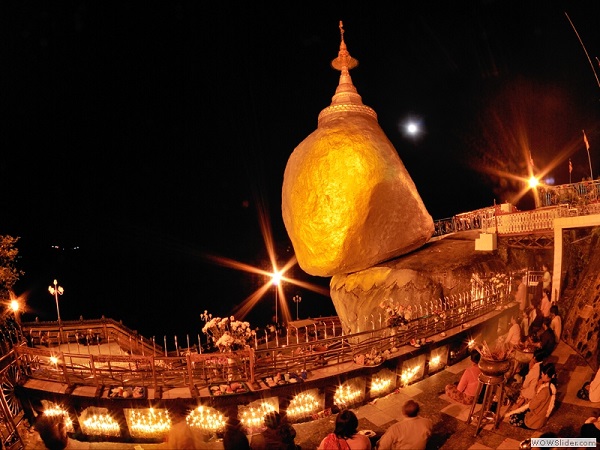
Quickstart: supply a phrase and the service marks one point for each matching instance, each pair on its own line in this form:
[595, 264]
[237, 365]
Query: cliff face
[580, 302]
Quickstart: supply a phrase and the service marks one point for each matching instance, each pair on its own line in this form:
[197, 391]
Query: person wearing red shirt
[466, 389]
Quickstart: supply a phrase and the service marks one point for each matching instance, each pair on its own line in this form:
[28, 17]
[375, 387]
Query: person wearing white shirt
[547, 278]
[521, 295]
[594, 388]
[513, 337]
[546, 304]
[529, 385]
[412, 432]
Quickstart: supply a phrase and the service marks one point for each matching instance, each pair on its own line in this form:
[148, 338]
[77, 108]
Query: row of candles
[156, 423]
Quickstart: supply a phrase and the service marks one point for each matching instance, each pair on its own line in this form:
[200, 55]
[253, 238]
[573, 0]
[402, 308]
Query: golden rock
[348, 202]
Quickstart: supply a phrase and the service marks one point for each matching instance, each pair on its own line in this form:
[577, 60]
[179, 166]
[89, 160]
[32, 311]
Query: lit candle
[165, 339]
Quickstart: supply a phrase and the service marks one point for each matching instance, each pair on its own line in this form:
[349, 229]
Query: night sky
[140, 137]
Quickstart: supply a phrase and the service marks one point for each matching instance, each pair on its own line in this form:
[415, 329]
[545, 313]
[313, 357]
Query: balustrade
[200, 370]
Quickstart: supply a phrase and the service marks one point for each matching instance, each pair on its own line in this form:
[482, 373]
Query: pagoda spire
[343, 62]
[346, 98]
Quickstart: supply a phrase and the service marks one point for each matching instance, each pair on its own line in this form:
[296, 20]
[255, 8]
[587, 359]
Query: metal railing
[198, 370]
[566, 200]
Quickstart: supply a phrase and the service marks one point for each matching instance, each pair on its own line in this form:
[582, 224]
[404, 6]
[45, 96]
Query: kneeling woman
[533, 415]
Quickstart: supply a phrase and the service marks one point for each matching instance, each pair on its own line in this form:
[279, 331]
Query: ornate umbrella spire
[346, 96]
[344, 62]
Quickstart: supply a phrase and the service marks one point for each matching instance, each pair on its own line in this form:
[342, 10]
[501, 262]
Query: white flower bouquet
[227, 334]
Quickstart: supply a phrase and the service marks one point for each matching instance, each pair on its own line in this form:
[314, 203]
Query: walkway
[450, 429]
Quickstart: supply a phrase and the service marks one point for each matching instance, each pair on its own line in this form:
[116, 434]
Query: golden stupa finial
[346, 98]
[344, 59]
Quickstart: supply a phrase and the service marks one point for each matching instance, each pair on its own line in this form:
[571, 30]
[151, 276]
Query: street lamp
[276, 279]
[533, 183]
[297, 299]
[56, 291]
[14, 306]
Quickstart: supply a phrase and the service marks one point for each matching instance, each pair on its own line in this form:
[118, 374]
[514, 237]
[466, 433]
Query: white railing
[522, 222]
[569, 200]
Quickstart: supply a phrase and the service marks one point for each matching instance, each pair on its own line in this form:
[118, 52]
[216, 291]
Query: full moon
[412, 128]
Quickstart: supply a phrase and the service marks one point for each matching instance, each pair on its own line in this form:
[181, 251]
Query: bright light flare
[275, 277]
[533, 182]
[508, 141]
[16, 303]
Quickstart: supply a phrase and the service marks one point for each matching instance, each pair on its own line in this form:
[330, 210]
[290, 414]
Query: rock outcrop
[439, 269]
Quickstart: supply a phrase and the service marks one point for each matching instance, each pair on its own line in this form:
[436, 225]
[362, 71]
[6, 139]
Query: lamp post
[56, 291]
[276, 279]
[297, 299]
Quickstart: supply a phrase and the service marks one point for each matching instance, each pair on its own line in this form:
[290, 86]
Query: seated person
[591, 389]
[547, 342]
[513, 337]
[535, 321]
[524, 323]
[590, 428]
[412, 432]
[529, 385]
[555, 322]
[345, 434]
[545, 304]
[52, 431]
[466, 389]
[278, 434]
[534, 414]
